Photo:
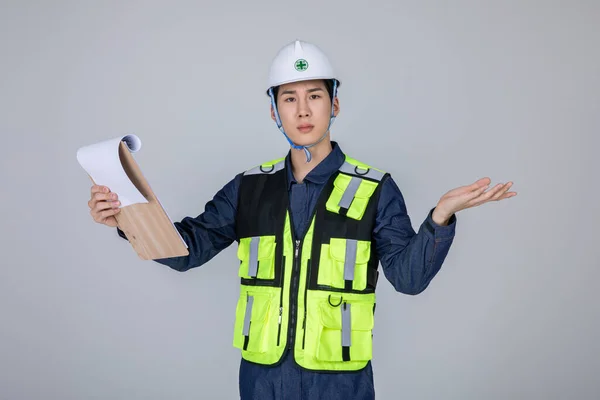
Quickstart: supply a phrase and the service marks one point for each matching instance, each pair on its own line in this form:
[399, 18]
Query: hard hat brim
[310, 78]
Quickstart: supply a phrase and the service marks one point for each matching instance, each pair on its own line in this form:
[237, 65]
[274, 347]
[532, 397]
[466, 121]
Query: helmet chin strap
[292, 144]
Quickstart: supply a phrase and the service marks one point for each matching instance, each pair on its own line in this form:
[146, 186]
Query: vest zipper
[305, 292]
[296, 276]
[279, 327]
[281, 303]
[293, 293]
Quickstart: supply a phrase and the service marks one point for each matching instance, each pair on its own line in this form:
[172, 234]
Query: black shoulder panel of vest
[261, 211]
[262, 204]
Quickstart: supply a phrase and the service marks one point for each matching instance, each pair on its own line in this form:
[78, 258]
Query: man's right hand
[104, 205]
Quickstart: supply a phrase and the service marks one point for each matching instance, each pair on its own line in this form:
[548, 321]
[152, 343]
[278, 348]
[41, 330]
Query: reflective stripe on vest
[248, 313]
[350, 260]
[370, 173]
[350, 192]
[253, 261]
[346, 331]
[267, 168]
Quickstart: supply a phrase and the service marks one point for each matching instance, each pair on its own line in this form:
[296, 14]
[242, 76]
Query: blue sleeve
[409, 259]
[210, 232]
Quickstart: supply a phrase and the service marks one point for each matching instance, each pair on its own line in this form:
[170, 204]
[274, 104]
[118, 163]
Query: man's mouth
[305, 128]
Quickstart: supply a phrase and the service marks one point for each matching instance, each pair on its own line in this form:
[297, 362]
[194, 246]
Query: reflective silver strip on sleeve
[266, 170]
[346, 325]
[253, 261]
[367, 173]
[349, 193]
[249, 303]
[350, 260]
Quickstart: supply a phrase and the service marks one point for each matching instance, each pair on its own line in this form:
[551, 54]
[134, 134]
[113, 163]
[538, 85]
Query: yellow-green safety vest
[313, 295]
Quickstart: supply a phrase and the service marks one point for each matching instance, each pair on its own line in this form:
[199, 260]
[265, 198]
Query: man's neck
[319, 152]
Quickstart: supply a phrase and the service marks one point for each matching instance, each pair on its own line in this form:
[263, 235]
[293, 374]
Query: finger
[106, 216]
[100, 194]
[502, 191]
[105, 197]
[479, 183]
[504, 196]
[109, 213]
[106, 205]
[467, 189]
[475, 188]
[99, 189]
[111, 221]
[94, 190]
[493, 191]
[477, 193]
[99, 208]
[508, 195]
[495, 194]
[96, 198]
[484, 197]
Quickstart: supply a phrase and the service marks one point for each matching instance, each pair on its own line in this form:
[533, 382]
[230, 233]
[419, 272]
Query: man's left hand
[468, 196]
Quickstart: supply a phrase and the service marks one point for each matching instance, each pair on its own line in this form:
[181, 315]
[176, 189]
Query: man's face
[304, 109]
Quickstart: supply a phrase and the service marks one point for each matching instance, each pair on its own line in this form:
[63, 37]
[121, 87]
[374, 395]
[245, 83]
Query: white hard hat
[300, 61]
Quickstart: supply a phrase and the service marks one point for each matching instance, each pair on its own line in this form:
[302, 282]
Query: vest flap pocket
[346, 332]
[338, 250]
[344, 261]
[339, 187]
[257, 257]
[331, 318]
[350, 195]
[252, 320]
[260, 307]
[365, 188]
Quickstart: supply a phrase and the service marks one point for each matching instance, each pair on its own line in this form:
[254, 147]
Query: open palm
[474, 195]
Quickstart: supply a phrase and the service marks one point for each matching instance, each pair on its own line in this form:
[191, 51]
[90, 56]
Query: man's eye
[289, 99]
[315, 96]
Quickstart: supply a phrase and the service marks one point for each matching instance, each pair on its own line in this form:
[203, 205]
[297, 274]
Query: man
[312, 228]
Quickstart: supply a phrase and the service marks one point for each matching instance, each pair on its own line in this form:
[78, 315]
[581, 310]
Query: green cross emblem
[301, 65]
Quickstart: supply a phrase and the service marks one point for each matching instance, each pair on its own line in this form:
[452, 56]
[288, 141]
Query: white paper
[101, 161]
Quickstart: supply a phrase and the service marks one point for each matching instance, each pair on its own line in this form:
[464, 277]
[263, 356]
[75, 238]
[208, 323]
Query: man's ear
[336, 106]
[273, 113]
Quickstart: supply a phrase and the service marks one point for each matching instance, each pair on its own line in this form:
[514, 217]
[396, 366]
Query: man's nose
[303, 109]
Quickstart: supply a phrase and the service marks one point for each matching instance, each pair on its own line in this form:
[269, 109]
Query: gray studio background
[438, 93]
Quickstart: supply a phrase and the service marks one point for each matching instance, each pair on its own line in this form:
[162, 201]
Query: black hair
[328, 86]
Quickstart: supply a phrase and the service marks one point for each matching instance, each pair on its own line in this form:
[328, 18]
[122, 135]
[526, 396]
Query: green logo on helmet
[301, 65]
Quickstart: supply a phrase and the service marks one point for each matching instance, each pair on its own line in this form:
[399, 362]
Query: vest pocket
[252, 321]
[345, 332]
[344, 263]
[257, 257]
[350, 196]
